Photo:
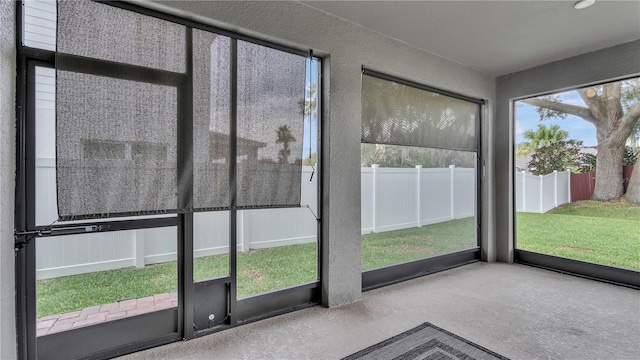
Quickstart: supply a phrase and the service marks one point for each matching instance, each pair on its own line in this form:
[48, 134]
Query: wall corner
[7, 178]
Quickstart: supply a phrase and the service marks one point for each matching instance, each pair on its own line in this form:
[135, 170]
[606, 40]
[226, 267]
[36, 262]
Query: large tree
[614, 110]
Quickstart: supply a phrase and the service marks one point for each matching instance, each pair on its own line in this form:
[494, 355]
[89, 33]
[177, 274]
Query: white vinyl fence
[76, 254]
[541, 193]
[394, 198]
[391, 199]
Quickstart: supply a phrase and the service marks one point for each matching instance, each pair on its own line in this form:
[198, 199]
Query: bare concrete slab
[517, 311]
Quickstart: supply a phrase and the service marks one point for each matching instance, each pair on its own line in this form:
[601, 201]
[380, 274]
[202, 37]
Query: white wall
[7, 179]
[346, 47]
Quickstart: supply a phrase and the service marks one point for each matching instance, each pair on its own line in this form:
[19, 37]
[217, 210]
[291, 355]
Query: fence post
[452, 184]
[240, 236]
[524, 190]
[418, 195]
[375, 198]
[541, 191]
[555, 188]
[138, 244]
[568, 186]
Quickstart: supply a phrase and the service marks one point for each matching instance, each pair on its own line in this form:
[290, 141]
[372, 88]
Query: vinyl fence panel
[395, 198]
[542, 193]
[532, 193]
[435, 196]
[563, 188]
[366, 198]
[547, 195]
[464, 191]
[518, 180]
[77, 254]
[396, 203]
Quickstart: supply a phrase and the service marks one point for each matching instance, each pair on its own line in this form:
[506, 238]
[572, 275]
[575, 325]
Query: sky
[311, 134]
[528, 119]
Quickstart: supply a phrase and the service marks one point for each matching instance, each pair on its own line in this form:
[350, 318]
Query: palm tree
[542, 137]
[284, 137]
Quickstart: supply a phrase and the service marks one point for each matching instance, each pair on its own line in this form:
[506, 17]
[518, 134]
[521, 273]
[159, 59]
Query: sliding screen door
[419, 156]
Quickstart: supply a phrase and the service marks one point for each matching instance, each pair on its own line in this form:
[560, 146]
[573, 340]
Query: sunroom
[320, 176]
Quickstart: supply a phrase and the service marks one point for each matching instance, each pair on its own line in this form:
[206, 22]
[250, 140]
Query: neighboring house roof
[220, 146]
[223, 138]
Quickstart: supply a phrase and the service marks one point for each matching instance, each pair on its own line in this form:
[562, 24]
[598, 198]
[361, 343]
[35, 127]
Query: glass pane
[574, 191]
[416, 203]
[397, 114]
[89, 279]
[277, 248]
[210, 245]
[46, 202]
[40, 24]
[100, 31]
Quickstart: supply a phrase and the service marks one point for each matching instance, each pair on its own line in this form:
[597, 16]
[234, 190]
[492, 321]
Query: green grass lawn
[598, 232]
[600, 209]
[394, 247]
[258, 270]
[603, 233]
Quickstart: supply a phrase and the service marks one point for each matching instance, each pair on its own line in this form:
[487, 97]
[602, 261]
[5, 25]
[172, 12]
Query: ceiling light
[583, 4]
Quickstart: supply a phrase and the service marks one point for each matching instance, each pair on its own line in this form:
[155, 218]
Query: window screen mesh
[270, 98]
[211, 101]
[100, 31]
[115, 146]
[271, 88]
[397, 114]
[118, 141]
[116, 151]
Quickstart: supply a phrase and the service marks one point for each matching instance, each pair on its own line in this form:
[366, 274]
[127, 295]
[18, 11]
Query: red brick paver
[102, 313]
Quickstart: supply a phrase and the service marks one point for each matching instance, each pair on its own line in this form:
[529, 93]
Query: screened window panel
[398, 114]
[211, 101]
[117, 139]
[95, 30]
[271, 88]
[115, 146]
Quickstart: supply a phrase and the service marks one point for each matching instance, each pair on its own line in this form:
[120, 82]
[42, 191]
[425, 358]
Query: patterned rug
[425, 342]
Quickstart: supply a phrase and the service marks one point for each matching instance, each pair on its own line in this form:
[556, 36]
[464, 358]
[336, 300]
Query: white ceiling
[496, 37]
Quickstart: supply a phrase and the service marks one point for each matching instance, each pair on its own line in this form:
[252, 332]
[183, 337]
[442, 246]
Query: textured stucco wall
[598, 66]
[345, 47]
[7, 179]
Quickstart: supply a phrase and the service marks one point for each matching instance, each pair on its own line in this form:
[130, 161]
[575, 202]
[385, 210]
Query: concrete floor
[517, 311]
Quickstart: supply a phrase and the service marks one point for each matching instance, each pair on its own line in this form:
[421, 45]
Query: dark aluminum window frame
[143, 331]
[592, 271]
[388, 275]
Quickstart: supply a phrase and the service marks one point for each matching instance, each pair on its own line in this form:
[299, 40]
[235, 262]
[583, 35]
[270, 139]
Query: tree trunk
[633, 190]
[609, 181]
